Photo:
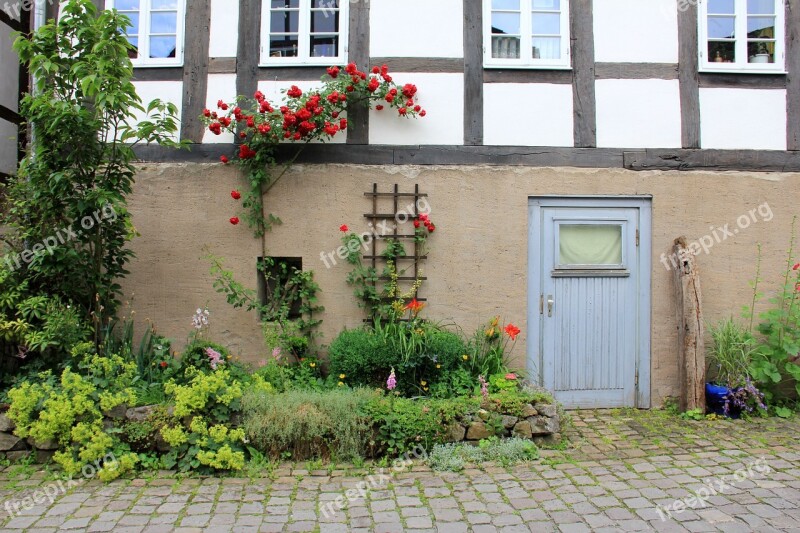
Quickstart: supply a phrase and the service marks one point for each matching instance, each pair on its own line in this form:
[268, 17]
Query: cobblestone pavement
[623, 471]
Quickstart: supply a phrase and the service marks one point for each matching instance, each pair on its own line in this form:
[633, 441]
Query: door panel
[588, 278]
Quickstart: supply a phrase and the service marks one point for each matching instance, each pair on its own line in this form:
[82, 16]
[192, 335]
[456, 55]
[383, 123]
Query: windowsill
[158, 65]
[301, 65]
[527, 67]
[706, 70]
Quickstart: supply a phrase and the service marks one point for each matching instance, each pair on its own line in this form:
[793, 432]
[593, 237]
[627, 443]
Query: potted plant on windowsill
[730, 390]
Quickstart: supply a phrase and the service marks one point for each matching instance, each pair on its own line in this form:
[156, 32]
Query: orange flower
[512, 331]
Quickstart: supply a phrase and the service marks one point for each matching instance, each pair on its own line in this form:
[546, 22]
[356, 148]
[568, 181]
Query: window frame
[304, 33]
[526, 38]
[144, 24]
[740, 28]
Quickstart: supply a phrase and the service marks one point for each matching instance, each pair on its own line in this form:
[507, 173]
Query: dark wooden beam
[636, 71]
[249, 47]
[583, 89]
[158, 73]
[358, 46]
[14, 24]
[528, 75]
[661, 159]
[9, 115]
[420, 64]
[687, 74]
[195, 70]
[24, 88]
[222, 65]
[473, 73]
[793, 78]
[742, 81]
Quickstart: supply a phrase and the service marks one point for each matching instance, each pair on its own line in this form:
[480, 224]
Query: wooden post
[690, 328]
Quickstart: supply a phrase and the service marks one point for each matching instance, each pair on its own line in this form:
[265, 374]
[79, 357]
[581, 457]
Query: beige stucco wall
[478, 263]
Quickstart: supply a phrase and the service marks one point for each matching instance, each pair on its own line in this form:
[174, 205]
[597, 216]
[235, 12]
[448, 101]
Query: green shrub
[729, 356]
[423, 355]
[308, 423]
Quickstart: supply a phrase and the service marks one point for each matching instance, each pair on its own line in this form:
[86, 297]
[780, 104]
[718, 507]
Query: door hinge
[541, 304]
[637, 237]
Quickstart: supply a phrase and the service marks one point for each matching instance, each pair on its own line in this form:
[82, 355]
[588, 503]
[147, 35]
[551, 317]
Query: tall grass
[327, 424]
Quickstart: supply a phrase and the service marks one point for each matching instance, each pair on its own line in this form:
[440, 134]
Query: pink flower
[511, 376]
[391, 383]
[276, 352]
[214, 358]
[484, 387]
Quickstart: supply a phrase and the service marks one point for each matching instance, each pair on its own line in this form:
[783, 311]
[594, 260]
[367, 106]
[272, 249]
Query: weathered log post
[692, 366]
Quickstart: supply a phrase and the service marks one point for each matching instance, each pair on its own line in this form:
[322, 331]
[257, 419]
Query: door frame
[644, 204]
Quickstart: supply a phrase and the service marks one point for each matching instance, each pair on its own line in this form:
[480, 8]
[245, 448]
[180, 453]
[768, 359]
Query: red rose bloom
[431, 228]
[251, 122]
[223, 159]
[215, 128]
[245, 152]
[376, 70]
[343, 228]
[259, 96]
[234, 220]
[294, 92]
[422, 113]
[207, 112]
[402, 110]
[417, 108]
[796, 266]
[416, 223]
[409, 90]
[163, 364]
[343, 124]
[373, 85]
[236, 195]
[379, 107]
[335, 114]
[333, 72]
[351, 68]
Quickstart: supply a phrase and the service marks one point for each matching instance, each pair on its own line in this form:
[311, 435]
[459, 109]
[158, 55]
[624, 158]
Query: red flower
[222, 105]
[245, 152]
[512, 331]
[423, 217]
[379, 107]
[373, 85]
[259, 96]
[225, 121]
[294, 92]
[387, 78]
[431, 228]
[335, 114]
[265, 107]
[207, 112]
[251, 122]
[163, 364]
[402, 110]
[376, 70]
[511, 375]
[343, 228]
[422, 113]
[349, 88]
[351, 68]
[263, 129]
[215, 128]
[416, 223]
[223, 159]
[333, 72]
[234, 220]
[414, 306]
[417, 108]
[236, 195]
[796, 266]
[409, 90]
[390, 98]
[343, 124]
[242, 135]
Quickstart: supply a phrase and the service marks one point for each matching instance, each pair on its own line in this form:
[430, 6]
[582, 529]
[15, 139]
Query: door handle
[550, 303]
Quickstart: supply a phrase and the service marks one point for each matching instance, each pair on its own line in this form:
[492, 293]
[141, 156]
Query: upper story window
[526, 34]
[156, 31]
[304, 32]
[742, 35]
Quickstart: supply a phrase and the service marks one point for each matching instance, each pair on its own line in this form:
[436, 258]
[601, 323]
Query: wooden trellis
[402, 215]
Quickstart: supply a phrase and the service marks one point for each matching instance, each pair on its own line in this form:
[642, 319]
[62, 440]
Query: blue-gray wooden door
[590, 285]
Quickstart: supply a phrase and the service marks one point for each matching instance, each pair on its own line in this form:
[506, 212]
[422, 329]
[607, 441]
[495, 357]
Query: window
[526, 34]
[156, 31]
[742, 35]
[304, 32]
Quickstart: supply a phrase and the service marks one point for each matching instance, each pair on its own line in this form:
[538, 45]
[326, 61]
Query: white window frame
[304, 32]
[526, 41]
[144, 37]
[707, 64]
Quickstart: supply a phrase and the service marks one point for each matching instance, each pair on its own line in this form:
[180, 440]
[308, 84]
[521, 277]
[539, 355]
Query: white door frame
[535, 357]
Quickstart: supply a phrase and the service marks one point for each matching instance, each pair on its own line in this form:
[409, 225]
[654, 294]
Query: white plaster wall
[638, 114]
[545, 119]
[8, 147]
[220, 87]
[743, 118]
[416, 28]
[442, 97]
[636, 31]
[167, 91]
[224, 28]
[9, 81]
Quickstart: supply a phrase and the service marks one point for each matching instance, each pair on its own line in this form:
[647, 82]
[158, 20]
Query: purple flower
[484, 387]
[214, 358]
[391, 383]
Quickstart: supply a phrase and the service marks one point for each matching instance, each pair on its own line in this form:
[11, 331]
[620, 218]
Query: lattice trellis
[401, 217]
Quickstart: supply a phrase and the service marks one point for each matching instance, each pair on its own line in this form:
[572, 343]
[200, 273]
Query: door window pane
[546, 24]
[285, 21]
[161, 47]
[324, 22]
[505, 47]
[324, 45]
[761, 7]
[555, 5]
[505, 23]
[590, 244]
[505, 4]
[283, 45]
[721, 27]
[164, 23]
[127, 5]
[723, 7]
[722, 52]
[547, 48]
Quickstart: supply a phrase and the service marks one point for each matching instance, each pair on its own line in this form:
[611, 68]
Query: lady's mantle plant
[316, 115]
